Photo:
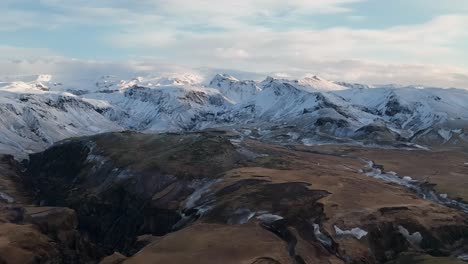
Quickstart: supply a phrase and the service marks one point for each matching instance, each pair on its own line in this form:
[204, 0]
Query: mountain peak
[223, 77]
[269, 79]
[318, 83]
[314, 77]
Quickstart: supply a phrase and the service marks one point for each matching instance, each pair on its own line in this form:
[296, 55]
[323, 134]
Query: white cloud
[373, 72]
[369, 72]
[218, 33]
[434, 42]
[156, 13]
[9, 21]
[238, 10]
[18, 53]
[231, 53]
[156, 39]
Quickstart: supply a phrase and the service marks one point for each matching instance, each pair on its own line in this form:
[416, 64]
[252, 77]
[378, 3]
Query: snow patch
[201, 187]
[247, 132]
[407, 178]
[415, 238]
[7, 198]
[355, 232]
[378, 174]
[268, 218]
[240, 216]
[325, 240]
[463, 257]
[320, 84]
[445, 134]
[293, 135]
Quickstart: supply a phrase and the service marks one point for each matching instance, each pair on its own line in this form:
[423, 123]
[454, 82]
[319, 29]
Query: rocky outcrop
[377, 133]
[23, 244]
[35, 234]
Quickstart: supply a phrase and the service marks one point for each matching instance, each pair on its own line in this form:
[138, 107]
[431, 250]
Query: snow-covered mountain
[37, 111]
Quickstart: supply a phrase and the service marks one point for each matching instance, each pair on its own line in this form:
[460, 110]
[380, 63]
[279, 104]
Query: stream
[420, 188]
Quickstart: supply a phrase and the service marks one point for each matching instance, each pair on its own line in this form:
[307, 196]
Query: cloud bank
[355, 71]
[260, 36]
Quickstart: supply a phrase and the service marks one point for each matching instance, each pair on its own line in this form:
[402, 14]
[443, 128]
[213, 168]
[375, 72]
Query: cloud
[77, 69]
[231, 53]
[231, 14]
[434, 42]
[9, 21]
[52, 14]
[13, 53]
[452, 6]
[373, 72]
[359, 71]
[252, 35]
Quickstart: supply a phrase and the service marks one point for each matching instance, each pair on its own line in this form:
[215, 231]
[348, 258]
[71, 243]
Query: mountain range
[37, 111]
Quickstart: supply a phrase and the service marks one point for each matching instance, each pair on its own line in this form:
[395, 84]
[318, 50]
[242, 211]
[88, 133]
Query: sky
[371, 41]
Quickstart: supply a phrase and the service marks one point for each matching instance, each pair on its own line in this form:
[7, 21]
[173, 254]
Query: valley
[143, 195]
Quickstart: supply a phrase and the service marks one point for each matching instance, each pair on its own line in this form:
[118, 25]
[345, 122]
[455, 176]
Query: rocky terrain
[199, 197]
[30, 233]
